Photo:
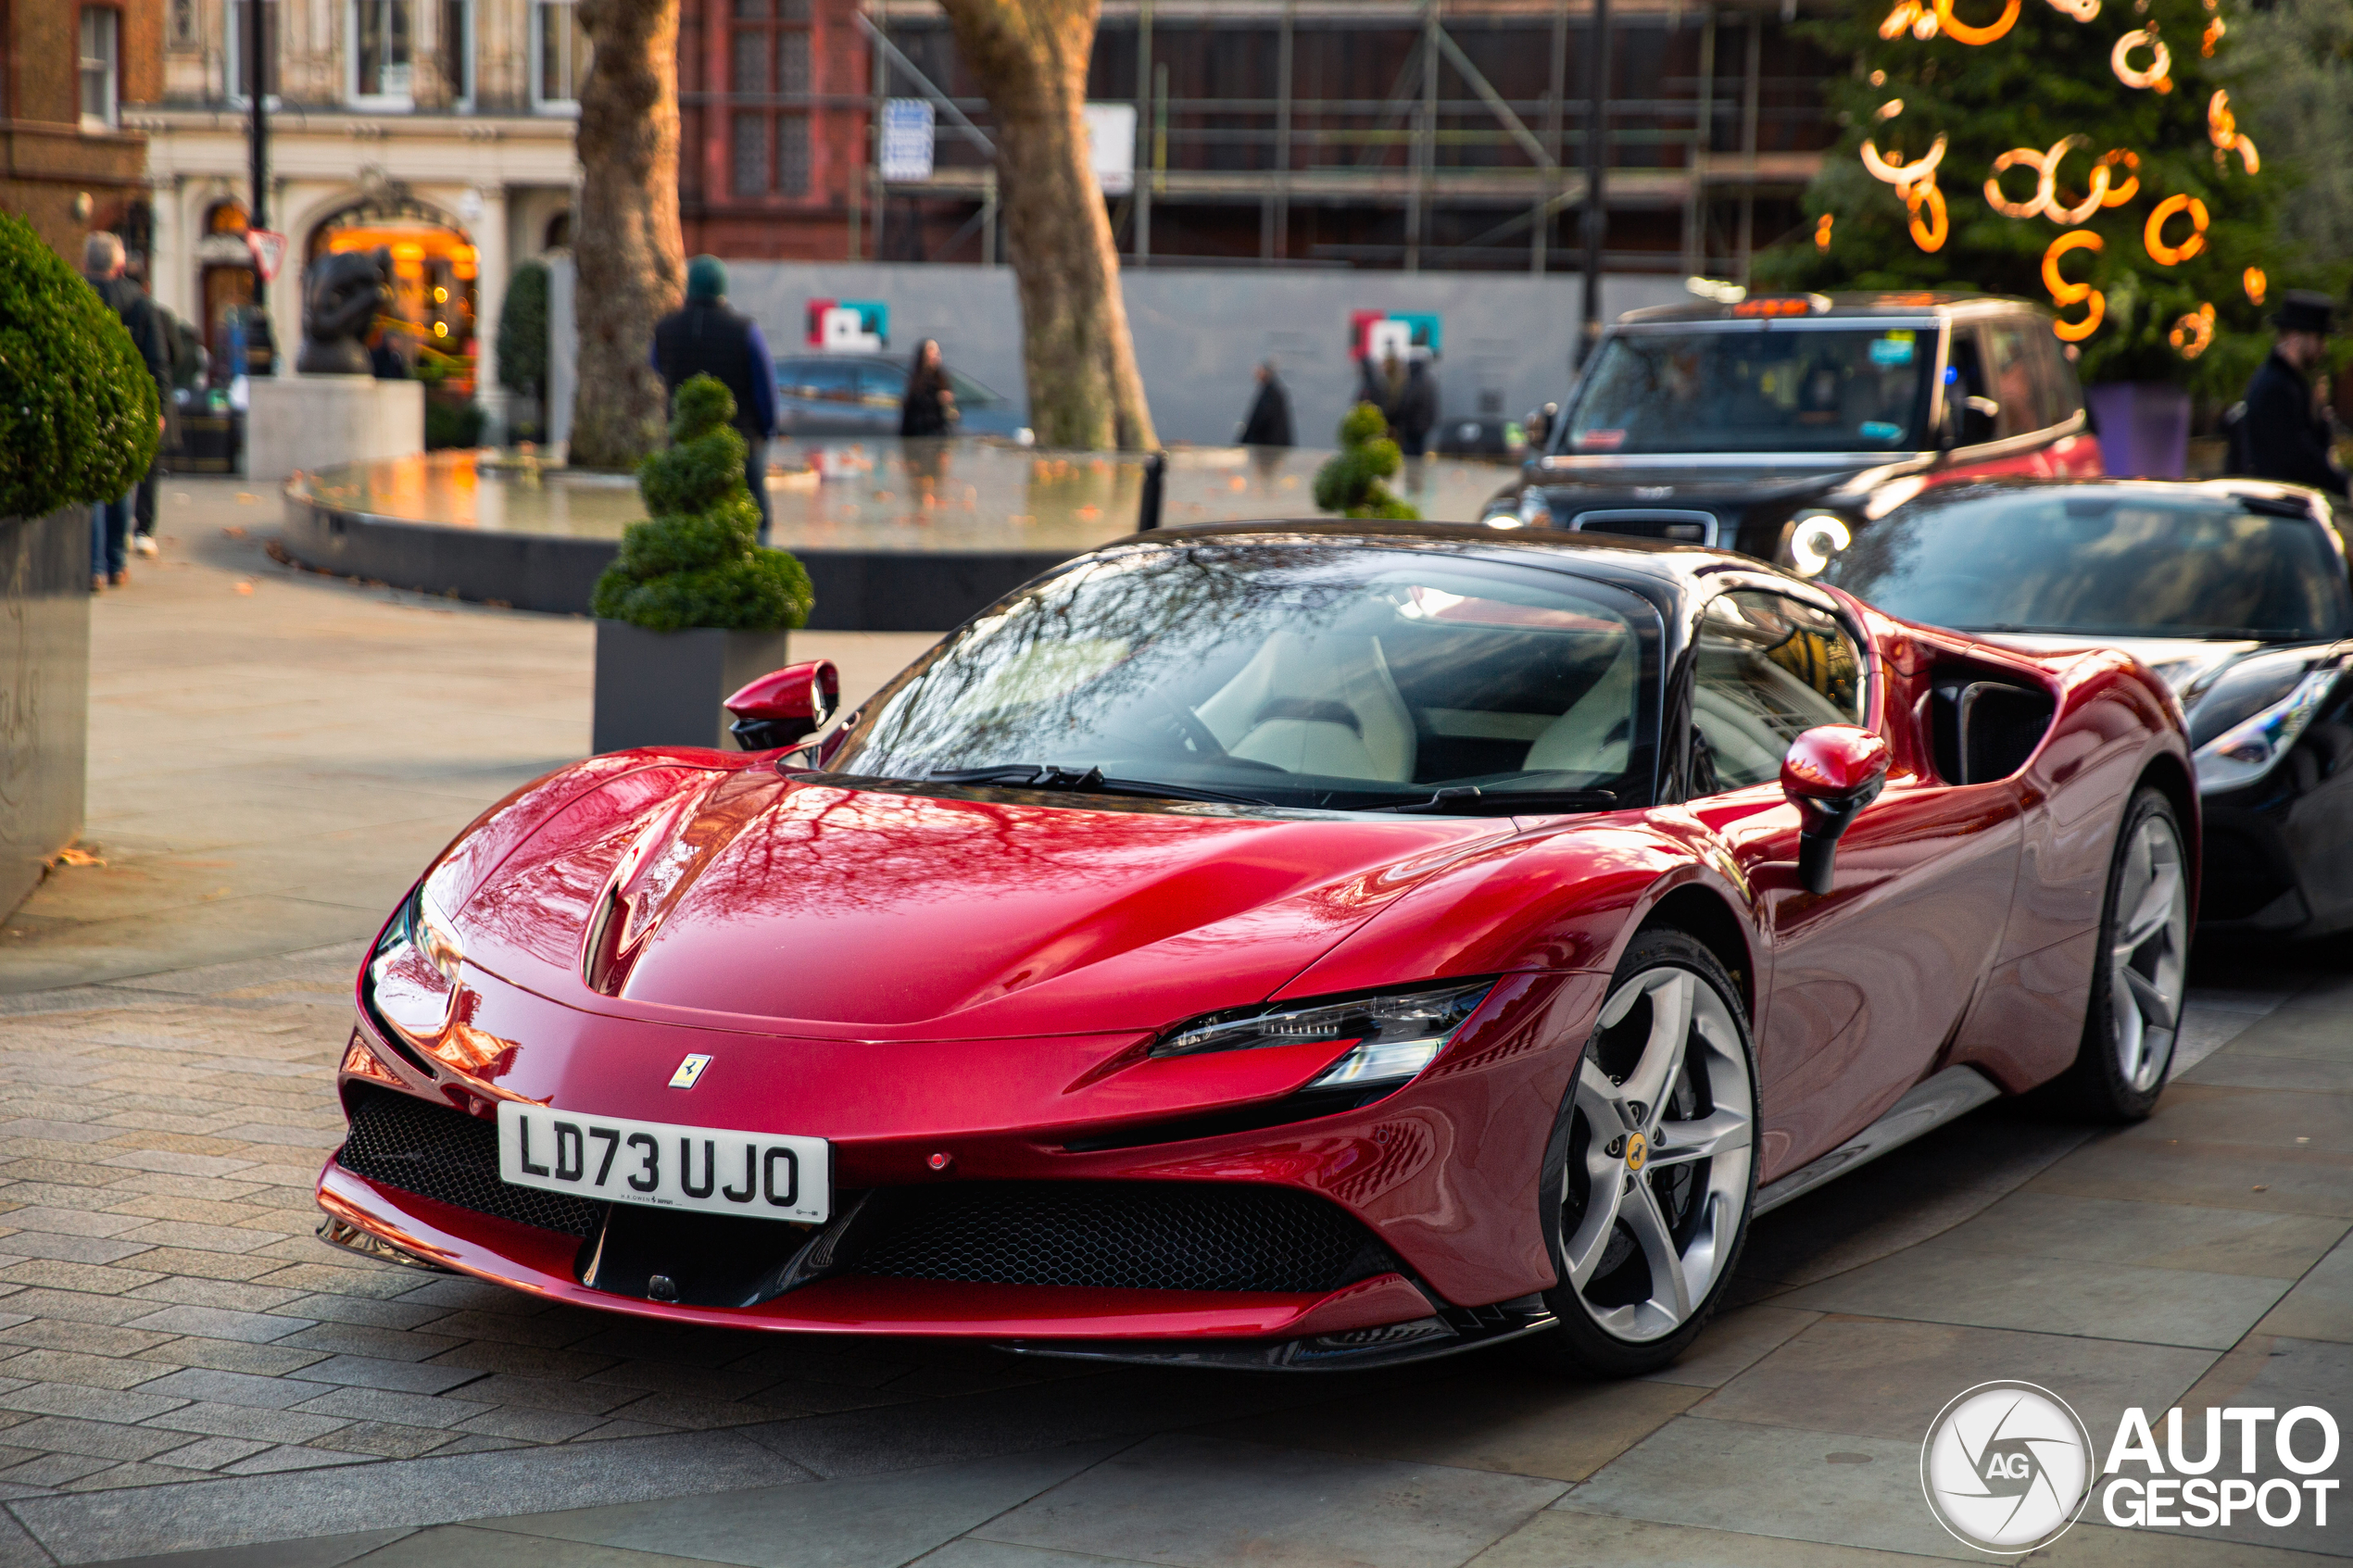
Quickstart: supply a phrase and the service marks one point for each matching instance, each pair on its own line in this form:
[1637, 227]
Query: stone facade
[63, 173]
[451, 113]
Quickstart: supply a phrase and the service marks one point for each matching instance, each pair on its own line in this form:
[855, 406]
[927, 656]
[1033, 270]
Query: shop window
[101, 66]
[558, 55]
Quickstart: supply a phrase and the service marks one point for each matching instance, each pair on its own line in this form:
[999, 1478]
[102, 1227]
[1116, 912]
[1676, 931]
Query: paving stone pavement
[188, 1376]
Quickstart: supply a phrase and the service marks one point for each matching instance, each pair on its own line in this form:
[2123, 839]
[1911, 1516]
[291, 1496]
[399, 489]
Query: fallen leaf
[74, 855]
[235, 533]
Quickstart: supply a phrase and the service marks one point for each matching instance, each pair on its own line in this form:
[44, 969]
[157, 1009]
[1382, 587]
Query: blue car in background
[858, 395]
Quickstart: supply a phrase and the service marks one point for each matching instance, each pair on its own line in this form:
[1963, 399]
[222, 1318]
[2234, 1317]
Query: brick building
[66, 162]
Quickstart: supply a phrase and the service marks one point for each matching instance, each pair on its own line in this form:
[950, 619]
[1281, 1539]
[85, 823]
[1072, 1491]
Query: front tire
[1651, 1172]
[2141, 972]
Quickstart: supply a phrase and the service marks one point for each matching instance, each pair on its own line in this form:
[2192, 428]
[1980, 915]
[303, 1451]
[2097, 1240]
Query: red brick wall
[716, 215]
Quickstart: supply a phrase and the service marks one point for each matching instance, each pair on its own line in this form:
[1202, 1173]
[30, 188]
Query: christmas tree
[2082, 152]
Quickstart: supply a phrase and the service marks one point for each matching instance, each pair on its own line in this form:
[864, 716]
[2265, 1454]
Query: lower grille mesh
[438, 1152]
[1138, 1235]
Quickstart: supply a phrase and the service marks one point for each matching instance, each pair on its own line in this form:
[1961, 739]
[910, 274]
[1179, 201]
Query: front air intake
[438, 1152]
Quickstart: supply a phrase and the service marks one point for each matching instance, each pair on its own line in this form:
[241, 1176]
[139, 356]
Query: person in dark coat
[2281, 433]
[706, 338]
[1269, 421]
[102, 263]
[1416, 411]
[929, 406]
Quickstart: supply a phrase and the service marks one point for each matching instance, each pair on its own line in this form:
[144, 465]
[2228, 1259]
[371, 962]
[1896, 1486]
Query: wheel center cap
[1637, 1150]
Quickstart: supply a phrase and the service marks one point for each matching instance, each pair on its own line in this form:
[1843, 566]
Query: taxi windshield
[1771, 388]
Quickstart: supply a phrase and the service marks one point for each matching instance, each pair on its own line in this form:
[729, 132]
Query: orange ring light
[2095, 307]
[1931, 235]
[2194, 333]
[2153, 234]
[2032, 158]
[2070, 216]
[1963, 33]
[2255, 283]
[2127, 160]
[2161, 60]
[1822, 232]
[2064, 293]
[2214, 31]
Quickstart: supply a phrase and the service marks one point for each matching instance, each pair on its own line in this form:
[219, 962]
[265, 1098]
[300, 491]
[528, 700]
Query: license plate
[662, 1165]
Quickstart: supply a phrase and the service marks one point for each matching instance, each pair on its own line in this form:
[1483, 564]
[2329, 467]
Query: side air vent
[1983, 724]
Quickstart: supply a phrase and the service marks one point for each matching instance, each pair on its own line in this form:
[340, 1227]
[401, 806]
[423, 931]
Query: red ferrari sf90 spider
[1287, 947]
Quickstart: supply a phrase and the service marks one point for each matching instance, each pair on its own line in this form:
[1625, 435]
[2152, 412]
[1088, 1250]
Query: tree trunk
[1030, 58]
[625, 242]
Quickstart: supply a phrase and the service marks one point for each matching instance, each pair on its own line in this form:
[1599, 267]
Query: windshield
[1296, 675]
[1807, 390]
[2100, 562]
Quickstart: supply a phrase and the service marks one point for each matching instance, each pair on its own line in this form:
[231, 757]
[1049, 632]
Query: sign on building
[906, 140]
[849, 326]
[1376, 335]
[1111, 146]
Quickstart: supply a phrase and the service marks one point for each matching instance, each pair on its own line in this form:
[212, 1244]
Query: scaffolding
[1396, 133]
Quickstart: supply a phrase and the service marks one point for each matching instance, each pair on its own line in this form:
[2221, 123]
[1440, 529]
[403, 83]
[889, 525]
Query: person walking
[704, 337]
[1268, 423]
[1416, 410]
[929, 406]
[101, 264]
[2280, 431]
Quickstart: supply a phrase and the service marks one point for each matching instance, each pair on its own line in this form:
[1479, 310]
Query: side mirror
[1539, 425]
[784, 706]
[1831, 773]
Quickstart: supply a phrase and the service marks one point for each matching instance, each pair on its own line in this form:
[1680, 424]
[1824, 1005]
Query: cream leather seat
[1321, 706]
[1591, 736]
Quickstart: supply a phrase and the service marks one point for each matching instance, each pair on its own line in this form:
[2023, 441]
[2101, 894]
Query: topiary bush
[697, 560]
[1351, 483]
[77, 405]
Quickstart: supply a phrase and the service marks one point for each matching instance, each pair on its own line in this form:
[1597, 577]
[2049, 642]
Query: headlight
[1814, 538]
[1395, 1034]
[412, 974]
[1532, 510]
[2291, 692]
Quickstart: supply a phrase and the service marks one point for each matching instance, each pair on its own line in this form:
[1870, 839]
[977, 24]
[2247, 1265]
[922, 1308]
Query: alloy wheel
[1659, 1155]
[2148, 957]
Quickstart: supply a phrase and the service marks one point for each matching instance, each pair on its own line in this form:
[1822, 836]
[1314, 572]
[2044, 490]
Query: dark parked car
[2233, 591]
[1777, 425]
[858, 394]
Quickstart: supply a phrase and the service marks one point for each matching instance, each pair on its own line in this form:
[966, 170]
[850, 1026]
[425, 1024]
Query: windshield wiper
[2169, 634]
[1469, 800]
[1032, 775]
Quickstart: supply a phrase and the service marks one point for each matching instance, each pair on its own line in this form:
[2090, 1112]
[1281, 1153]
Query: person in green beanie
[706, 338]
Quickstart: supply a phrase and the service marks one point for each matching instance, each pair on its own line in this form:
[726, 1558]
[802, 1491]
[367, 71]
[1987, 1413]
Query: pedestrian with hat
[2281, 431]
[707, 338]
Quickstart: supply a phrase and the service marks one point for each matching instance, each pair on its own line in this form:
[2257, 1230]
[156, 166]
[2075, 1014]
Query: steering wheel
[1204, 740]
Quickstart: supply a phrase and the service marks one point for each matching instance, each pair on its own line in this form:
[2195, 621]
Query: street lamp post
[260, 352]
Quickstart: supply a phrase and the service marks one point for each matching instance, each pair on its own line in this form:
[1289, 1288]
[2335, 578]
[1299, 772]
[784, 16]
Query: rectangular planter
[44, 691]
[664, 688]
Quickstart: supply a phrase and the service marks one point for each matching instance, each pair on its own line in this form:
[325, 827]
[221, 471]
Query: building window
[382, 52]
[239, 54]
[559, 54]
[770, 82]
[453, 51]
[101, 66]
[183, 24]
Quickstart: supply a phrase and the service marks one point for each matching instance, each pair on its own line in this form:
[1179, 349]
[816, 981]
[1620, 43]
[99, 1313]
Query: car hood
[1666, 480]
[2187, 664]
[887, 913]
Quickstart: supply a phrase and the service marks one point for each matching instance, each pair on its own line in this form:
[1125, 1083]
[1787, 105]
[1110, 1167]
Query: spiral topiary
[1351, 483]
[697, 560]
[77, 403]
